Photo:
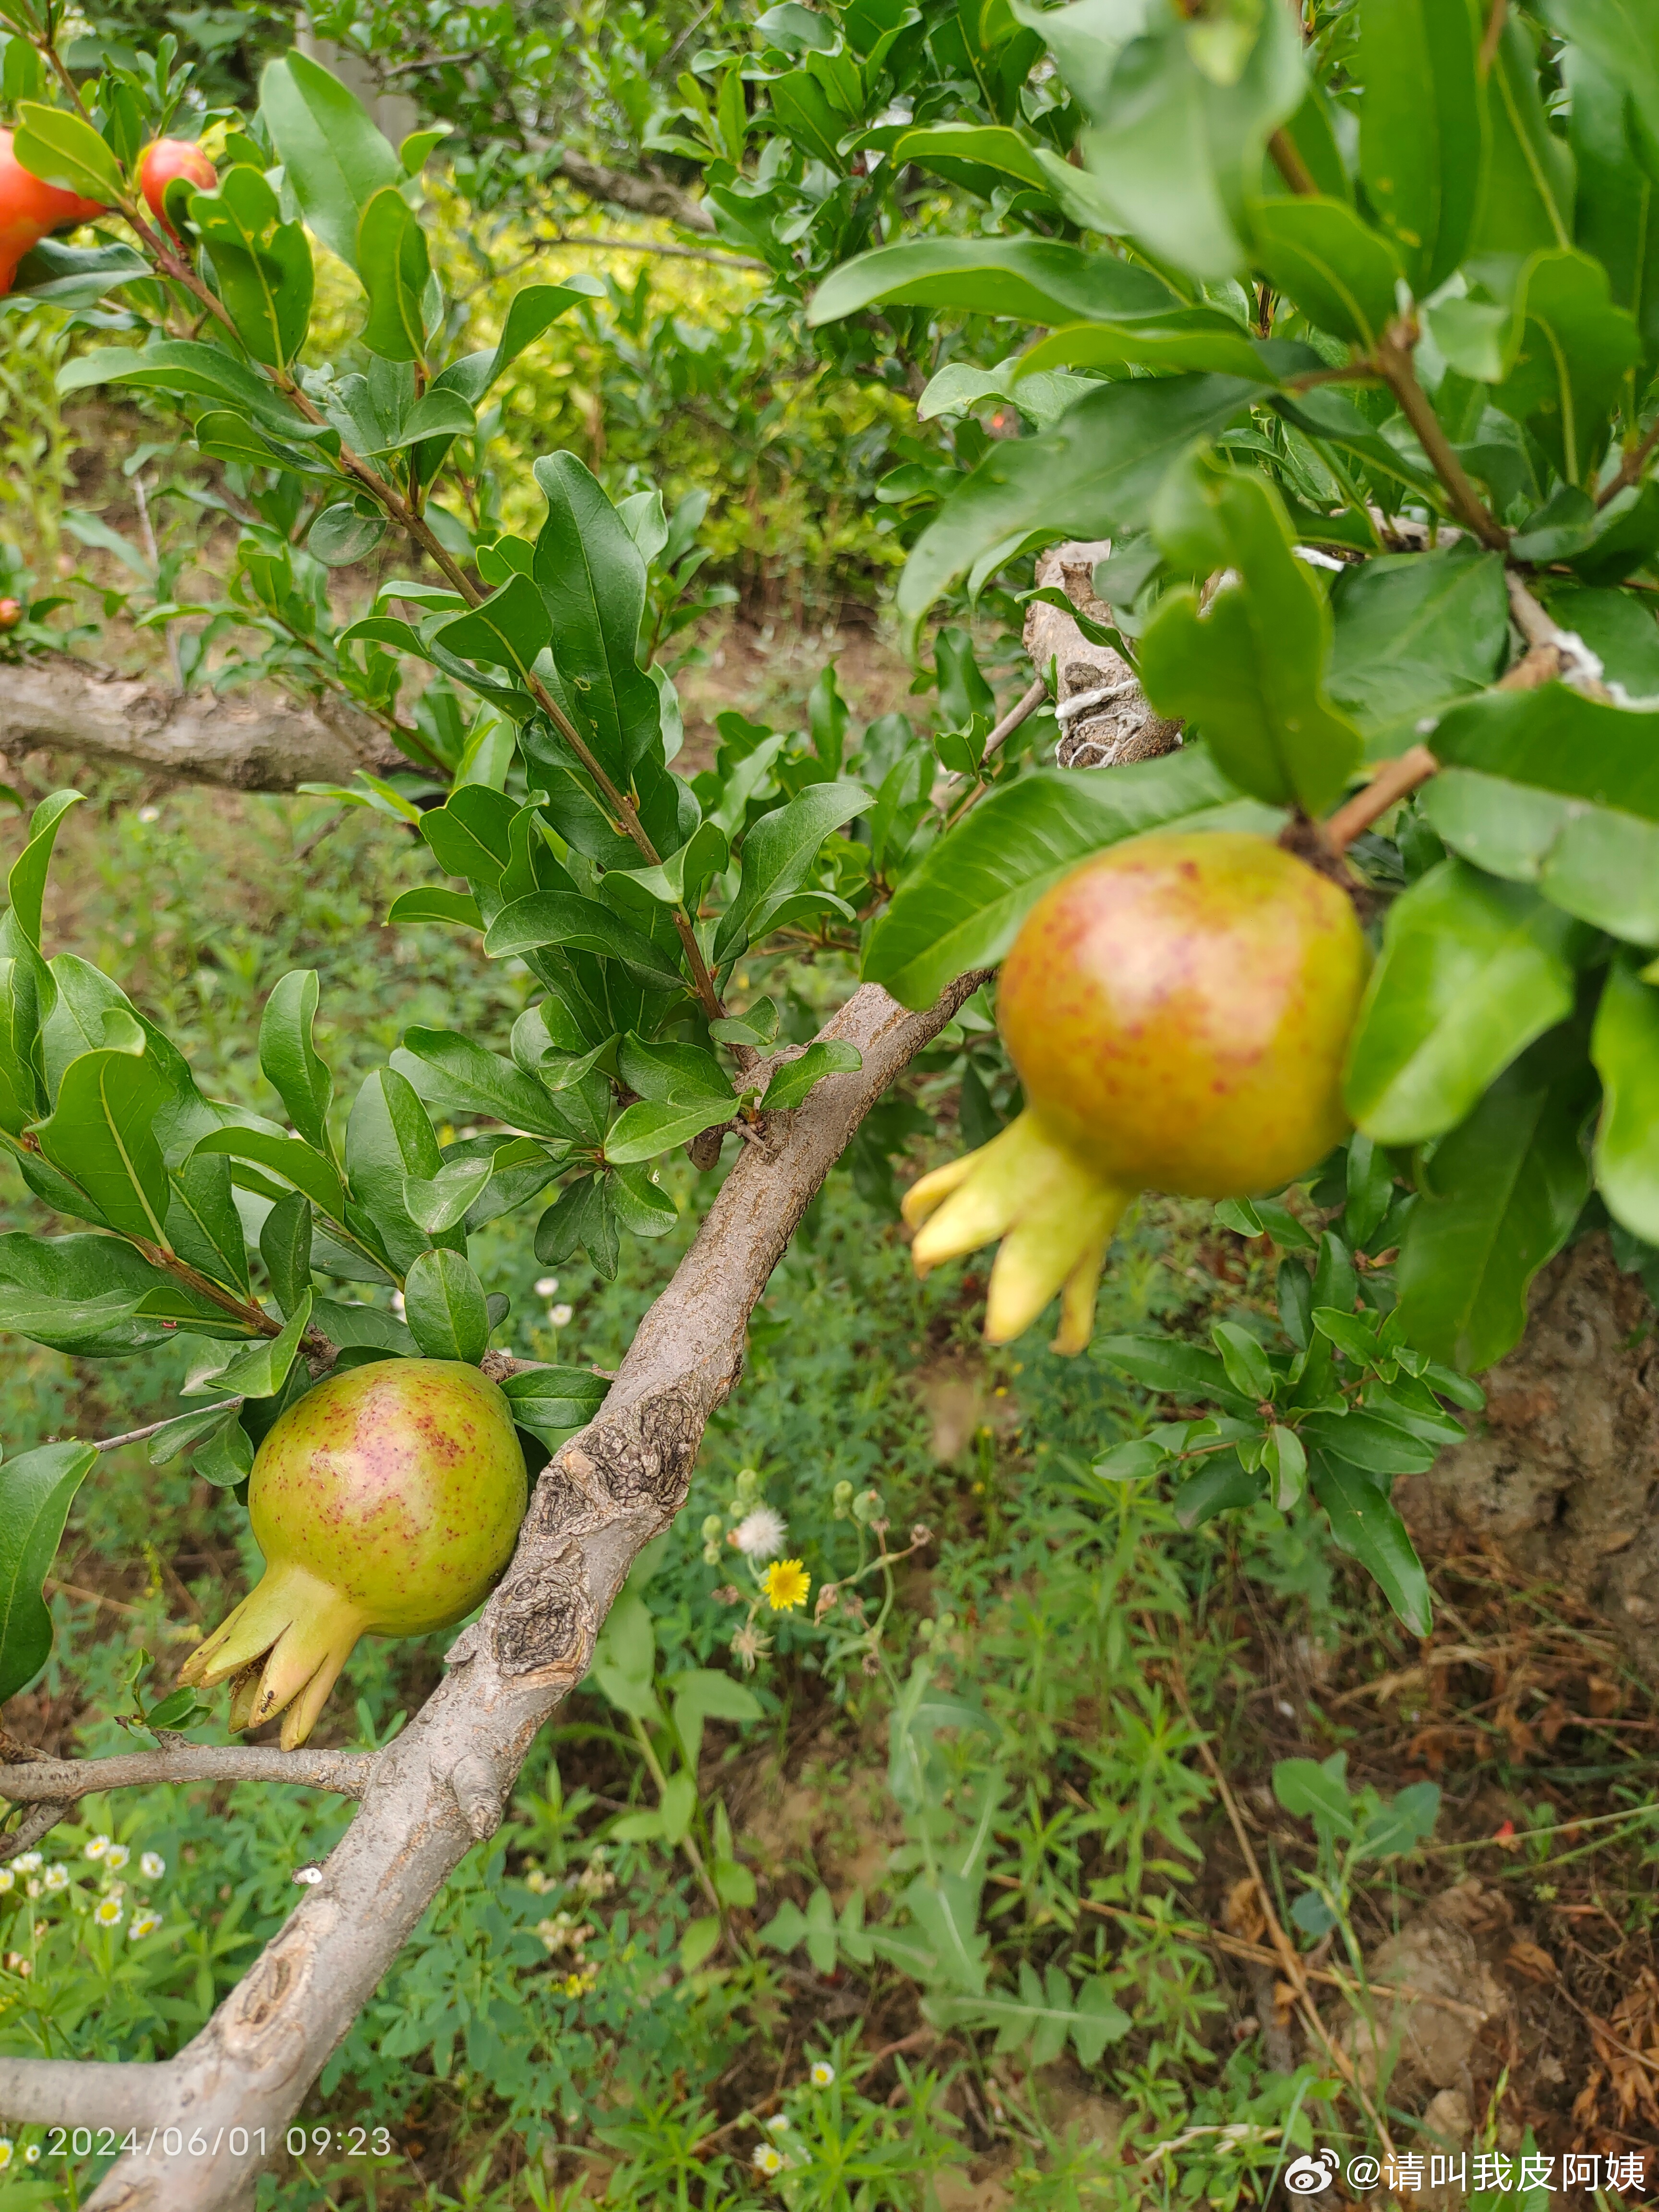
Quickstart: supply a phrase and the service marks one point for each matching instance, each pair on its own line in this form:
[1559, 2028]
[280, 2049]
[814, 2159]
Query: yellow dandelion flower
[786, 1583]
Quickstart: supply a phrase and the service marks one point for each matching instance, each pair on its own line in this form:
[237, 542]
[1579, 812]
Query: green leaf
[202, 1225]
[64, 150]
[1471, 971]
[285, 1247]
[1249, 671]
[555, 1398]
[1286, 1460]
[794, 1081]
[289, 1061]
[1423, 129]
[465, 1079]
[1500, 1196]
[1528, 194]
[396, 268]
[431, 903]
[288, 1157]
[1180, 133]
[444, 1306]
[582, 1216]
[227, 1458]
[88, 1295]
[642, 1131]
[36, 1492]
[567, 918]
[1245, 1361]
[1164, 1363]
[1611, 70]
[705, 1694]
[1565, 359]
[261, 1371]
[507, 631]
[332, 155]
[591, 578]
[1415, 633]
[263, 265]
[26, 884]
[62, 276]
[178, 1436]
[1340, 271]
[778, 855]
[101, 1134]
[1625, 1046]
[388, 1139]
[185, 366]
[1185, 338]
[1094, 475]
[1316, 1792]
[1028, 278]
[962, 907]
[1367, 1526]
[1549, 787]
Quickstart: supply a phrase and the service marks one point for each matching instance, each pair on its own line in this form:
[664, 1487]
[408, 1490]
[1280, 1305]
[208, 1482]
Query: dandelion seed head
[760, 1534]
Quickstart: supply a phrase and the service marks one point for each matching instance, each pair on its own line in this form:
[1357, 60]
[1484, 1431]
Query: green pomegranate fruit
[1178, 1009]
[386, 1503]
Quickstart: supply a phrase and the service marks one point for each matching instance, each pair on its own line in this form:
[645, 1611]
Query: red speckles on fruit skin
[400, 1484]
[1178, 1008]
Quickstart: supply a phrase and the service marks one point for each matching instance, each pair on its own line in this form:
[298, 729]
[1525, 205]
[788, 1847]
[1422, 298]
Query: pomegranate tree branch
[1391, 783]
[61, 1781]
[1394, 364]
[444, 1782]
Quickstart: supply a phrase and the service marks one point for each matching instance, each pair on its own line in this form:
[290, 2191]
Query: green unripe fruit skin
[386, 1502]
[1178, 1010]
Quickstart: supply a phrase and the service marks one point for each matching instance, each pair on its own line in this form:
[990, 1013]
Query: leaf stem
[1393, 363]
[1395, 781]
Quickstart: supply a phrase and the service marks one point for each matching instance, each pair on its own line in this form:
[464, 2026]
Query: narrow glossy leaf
[65, 275]
[203, 1225]
[1500, 1196]
[1201, 338]
[1549, 787]
[1249, 671]
[1094, 475]
[26, 884]
[396, 268]
[36, 1492]
[1423, 129]
[90, 1296]
[1414, 633]
[581, 1217]
[263, 265]
[531, 311]
[1471, 971]
[591, 578]
[285, 1247]
[566, 918]
[21, 1097]
[1625, 1046]
[444, 1306]
[962, 907]
[1033, 279]
[640, 1202]
[794, 1083]
[288, 1157]
[101, 1134]
[642, 1131]
[289, 1060]
[178, 1436]
[1368, 1529]
[1164, 1363]
[1528, 195]
[332, 155]
[388, 1139]
[1340, 272]
[431, 903]
[185, 366]
[470, 834]
[508, 631]
[66, 151]
[554, 1398]
[1245, 1361]
[778, 855]
[1566, 359]
[467, 1077]
[261, 1371]
[226, 1460]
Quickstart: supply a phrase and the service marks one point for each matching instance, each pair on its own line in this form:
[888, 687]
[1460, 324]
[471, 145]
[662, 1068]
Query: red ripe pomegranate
[1178, 1009]
[162, 161]
[29, 209]
[11, 613]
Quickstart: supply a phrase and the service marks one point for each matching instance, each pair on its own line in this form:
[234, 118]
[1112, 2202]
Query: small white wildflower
[778, 2123]
[94, 1849]
[107, 1912]
[547, 1286]
[7, 1880]
[32, 2156]
[27, 1863]
[822, 2074]
[767, 2159]
[154, 1866]
[561, 1317]
[149, 813]
[116, 1857]
[56, 1878]
[760, 1534]
[6, 2153]
[143, 1924]
[32, 1887]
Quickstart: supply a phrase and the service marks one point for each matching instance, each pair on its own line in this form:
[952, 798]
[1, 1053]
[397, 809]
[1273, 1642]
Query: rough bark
[1121, 728]
[235, 740]
[444, 1783]
[1561, 1472]
[647, 195]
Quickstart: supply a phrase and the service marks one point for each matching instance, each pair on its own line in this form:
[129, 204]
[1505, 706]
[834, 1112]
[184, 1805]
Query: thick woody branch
[1109, 722]
[244, 744]
[65, 1780]
[445, 1780]
[649, 195]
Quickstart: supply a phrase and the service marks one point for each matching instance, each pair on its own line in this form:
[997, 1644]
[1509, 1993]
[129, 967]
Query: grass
[1006, 1737]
